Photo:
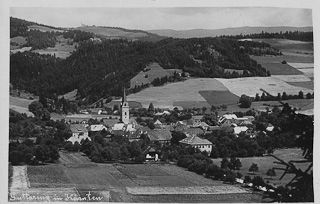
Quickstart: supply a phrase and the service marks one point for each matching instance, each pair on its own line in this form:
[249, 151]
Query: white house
[79, 133]
[197, 142]
[97, 128]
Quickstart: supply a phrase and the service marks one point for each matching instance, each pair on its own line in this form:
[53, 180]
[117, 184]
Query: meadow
[266, 162]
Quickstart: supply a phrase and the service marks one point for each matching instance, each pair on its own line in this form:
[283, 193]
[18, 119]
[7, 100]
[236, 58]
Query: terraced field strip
[194, 190]
[74, 158]
[292, 78]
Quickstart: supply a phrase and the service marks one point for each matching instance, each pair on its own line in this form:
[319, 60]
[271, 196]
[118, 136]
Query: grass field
[219, 97]
[280, 69]
[111, 32]
[44, 29]
[304, 84]
[251, 85]
[261, 105]
[62, 49]
[289, 45]
[20, 105]
[71, 96]
[167, 95]
[19, 40]
[293, 78]
[266, 162]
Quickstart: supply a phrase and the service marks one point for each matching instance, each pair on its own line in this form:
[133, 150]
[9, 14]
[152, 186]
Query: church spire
[124, 97]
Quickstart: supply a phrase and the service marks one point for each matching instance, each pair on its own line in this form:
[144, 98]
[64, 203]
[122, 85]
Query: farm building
[79, 133]
[159, 135]
[110, 122]
[197, 142]
[151, 154]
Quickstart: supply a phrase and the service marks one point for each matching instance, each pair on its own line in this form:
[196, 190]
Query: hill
[118, 33]
[199, 33]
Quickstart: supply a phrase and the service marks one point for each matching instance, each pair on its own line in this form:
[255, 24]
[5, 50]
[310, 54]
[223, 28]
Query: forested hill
[102, 69]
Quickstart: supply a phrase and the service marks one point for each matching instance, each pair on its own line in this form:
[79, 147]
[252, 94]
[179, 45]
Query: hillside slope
[198, 33]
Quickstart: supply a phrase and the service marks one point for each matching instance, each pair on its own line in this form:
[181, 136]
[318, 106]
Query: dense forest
[101, 70]
[296, 35]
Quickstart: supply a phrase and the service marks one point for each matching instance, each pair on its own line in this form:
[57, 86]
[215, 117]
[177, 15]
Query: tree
[36, 108]
[151, 108]
[257, 98]
[245, 101]
[271, 172]
[235, 163]
[300, 96]
[225, 163]
[258, 181]
[247, 179]
[254, 168]
[284, 96]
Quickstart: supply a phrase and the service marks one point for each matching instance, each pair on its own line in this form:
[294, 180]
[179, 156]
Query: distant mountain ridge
[194, 33]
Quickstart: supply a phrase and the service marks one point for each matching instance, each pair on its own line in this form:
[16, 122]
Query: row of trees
[283, 96]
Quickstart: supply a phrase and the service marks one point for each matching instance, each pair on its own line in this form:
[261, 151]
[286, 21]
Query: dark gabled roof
[77, 128]
[110, 122]
[159, 135]
[193, 131]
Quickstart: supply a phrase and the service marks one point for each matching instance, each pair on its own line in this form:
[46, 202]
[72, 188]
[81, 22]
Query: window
[125, 113]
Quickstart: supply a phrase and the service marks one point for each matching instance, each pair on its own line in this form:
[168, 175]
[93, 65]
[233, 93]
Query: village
[194, 127]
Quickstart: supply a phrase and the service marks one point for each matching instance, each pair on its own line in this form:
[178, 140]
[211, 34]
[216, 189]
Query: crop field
[289, 58]
[266, 162]
[293, 78]
[251, 85]
[73, 158]
[304, 84]
[191, 104]
[280, 69]
[219, 97]
[262, 105]
[290, 45]
[169, 94]
[49, 176]
[308, 72]
[301, 65]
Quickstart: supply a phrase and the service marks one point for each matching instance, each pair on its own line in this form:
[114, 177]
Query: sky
[177, 18]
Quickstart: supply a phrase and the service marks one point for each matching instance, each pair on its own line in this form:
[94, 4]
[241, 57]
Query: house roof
[239, 129]
[118, 126]
[159, 135]
[230, 116]
[110, 122]
[149, 150]
[98, 127]
[158, 122]
[193, 131]
[195, 140]
[197, 117]
[204, 124]
[214, 127]
[77, 128]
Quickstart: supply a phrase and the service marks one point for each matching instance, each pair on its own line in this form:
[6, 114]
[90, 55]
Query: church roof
[124, 97]
[194, 140]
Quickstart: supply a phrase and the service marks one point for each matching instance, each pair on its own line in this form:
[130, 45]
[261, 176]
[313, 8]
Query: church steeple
[124, 108]
[124, 97]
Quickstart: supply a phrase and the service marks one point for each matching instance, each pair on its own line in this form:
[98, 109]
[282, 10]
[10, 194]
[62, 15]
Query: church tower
[124, 109]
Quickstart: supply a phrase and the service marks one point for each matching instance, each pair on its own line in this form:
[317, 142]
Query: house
[79, 133]
[270, 127]
[109, 123]
[249, 117]
[238, 129]
[157, 122]
[159, 135]
[197, 142]
[151, 154]
[193, 131]
[97, 128]
[96, 111]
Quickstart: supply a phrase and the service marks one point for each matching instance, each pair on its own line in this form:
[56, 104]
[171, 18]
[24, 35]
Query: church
[124, 108]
